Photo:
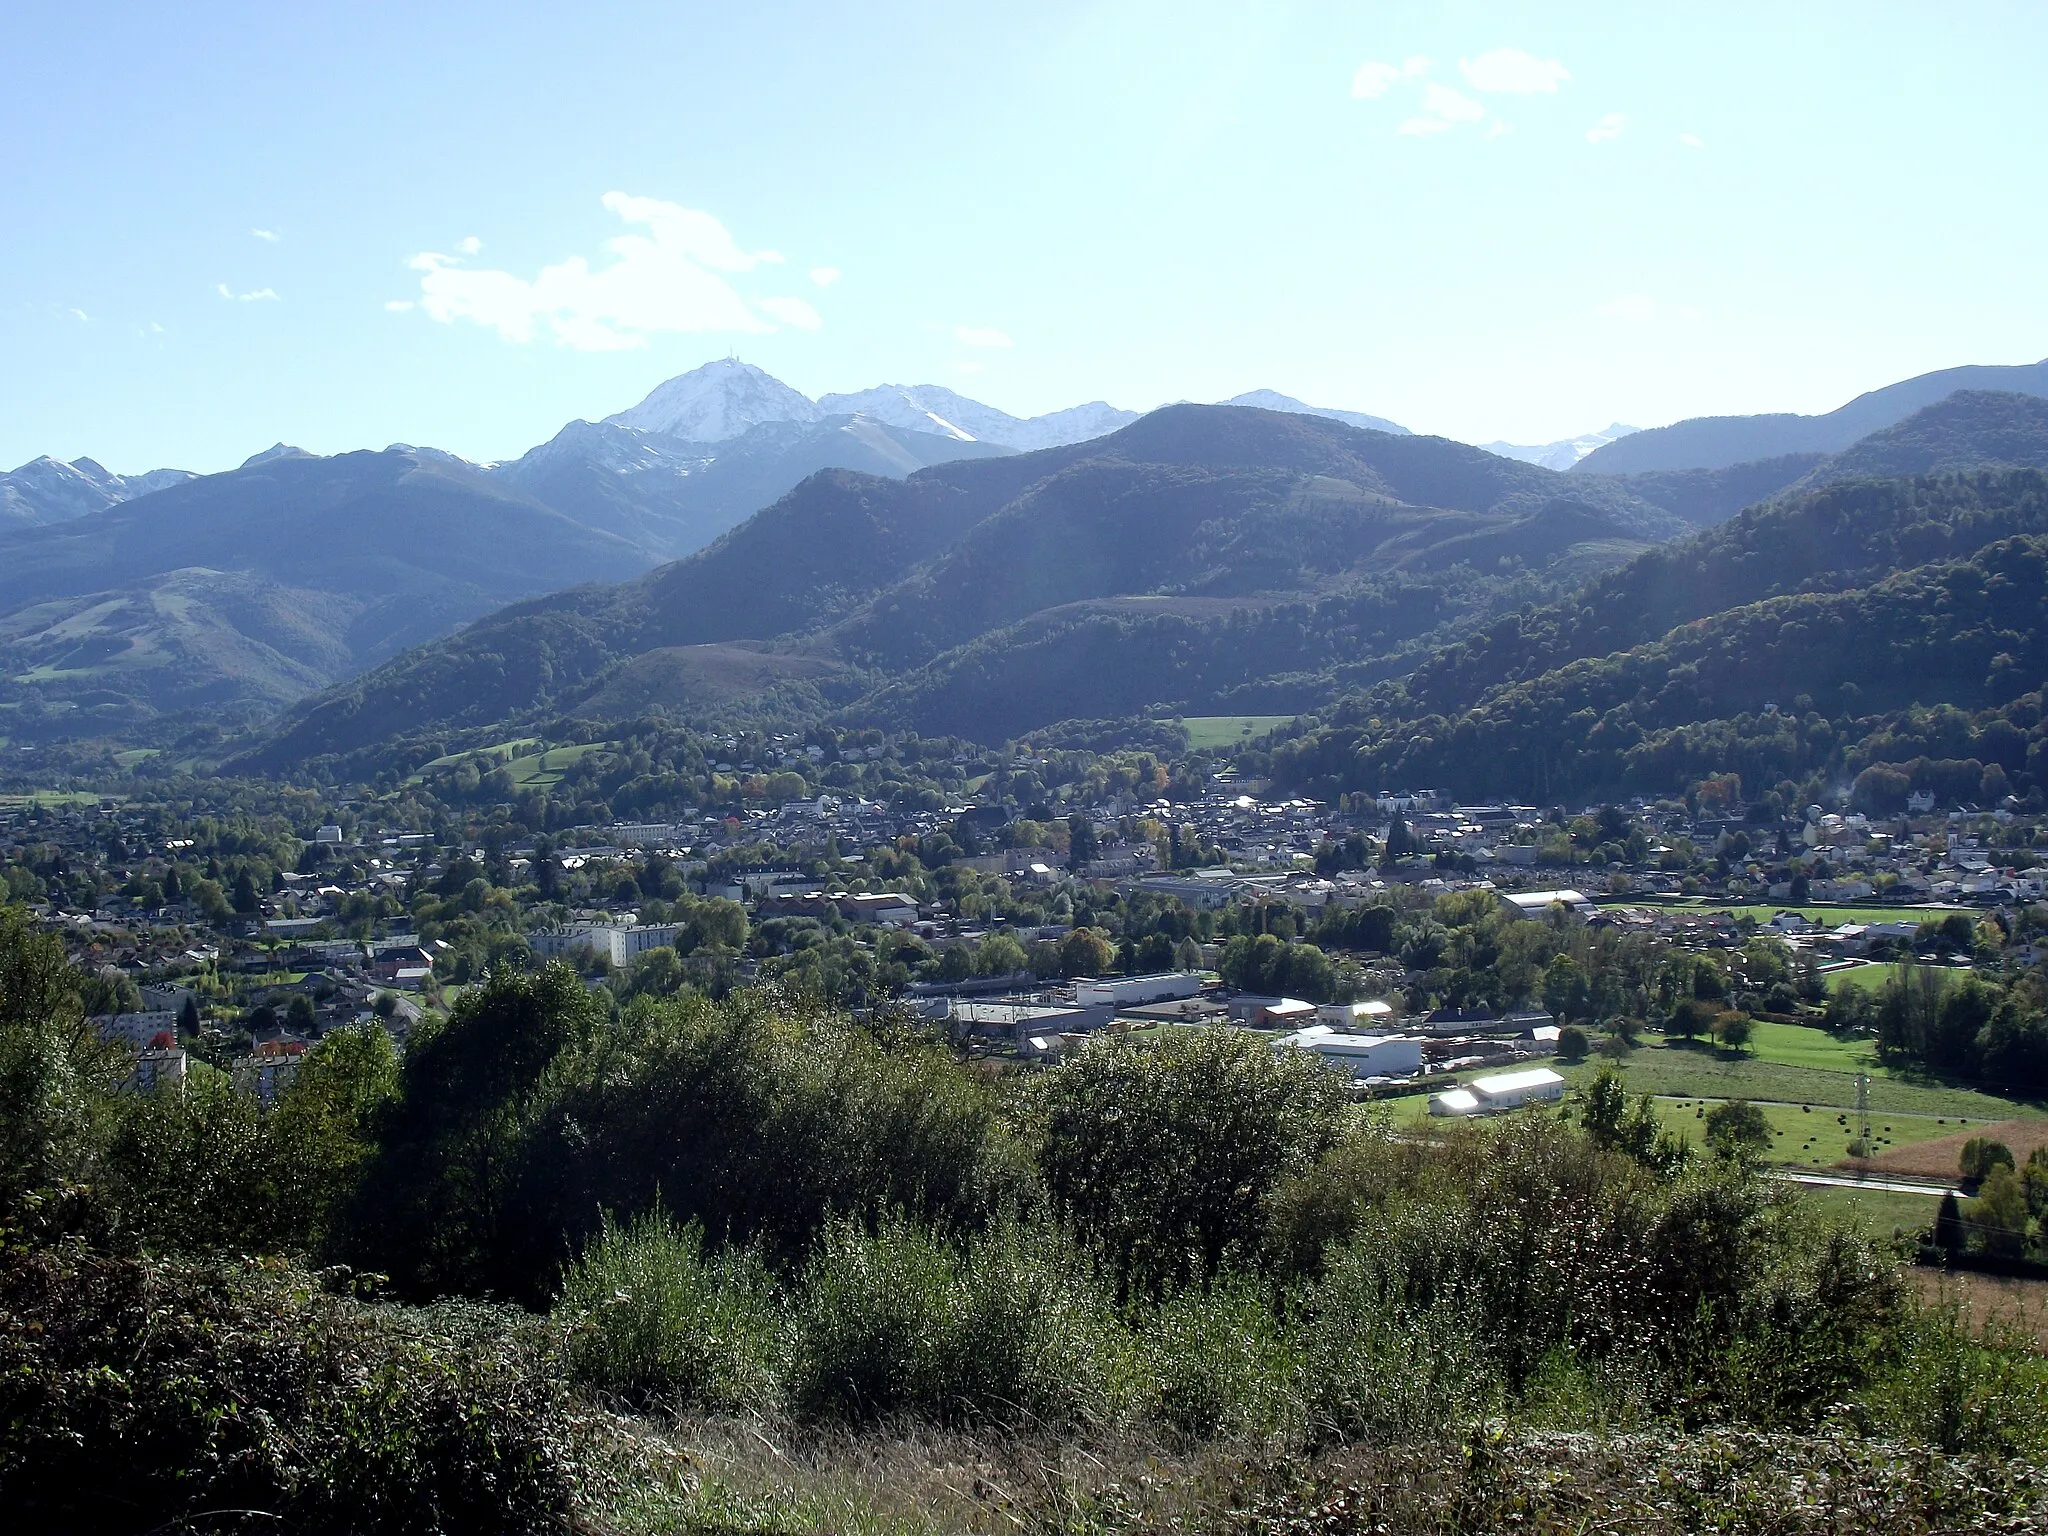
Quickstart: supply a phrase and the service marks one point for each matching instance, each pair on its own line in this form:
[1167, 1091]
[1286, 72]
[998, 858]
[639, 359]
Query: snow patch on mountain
[48, 490]
[1273, 400]
[1562, 454]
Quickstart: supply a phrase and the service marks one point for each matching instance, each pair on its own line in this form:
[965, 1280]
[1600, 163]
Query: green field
[1678, 1073]
[54, 797]
[1816, 1137]
[1208, 732]
[1867, 978]
[544, 770]
[528, 764]
[1880, 1212]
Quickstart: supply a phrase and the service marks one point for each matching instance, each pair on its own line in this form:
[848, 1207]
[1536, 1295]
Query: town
[1125, 893]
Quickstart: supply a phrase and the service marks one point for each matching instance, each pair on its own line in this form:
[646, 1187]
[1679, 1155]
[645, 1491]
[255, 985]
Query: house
[1497, 1094]
[158, 1067]
[1359, 1018]
[1284, 1013]
[137, 1029]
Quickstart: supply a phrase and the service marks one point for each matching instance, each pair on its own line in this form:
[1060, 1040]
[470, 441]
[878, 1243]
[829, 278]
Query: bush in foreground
[139, 1396]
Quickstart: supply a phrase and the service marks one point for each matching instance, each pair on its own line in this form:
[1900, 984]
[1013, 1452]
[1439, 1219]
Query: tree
[1690, 1019]
[1165, 1152]
[1565, 992]
[326, 1121]
[1998, 1216]
[1086, 952]
[999, 955]
[1572, 1044]
[430, 1209]
[246, 900]
[1982, 1156]
[1738, 1129]
[1735, 1030]
[1611, 1121]
[1081, 843]
[1949, 1232]
[57, 1077]
[1400, 843]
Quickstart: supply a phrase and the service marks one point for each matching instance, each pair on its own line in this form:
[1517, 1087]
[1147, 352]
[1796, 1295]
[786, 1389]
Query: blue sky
[463, 225]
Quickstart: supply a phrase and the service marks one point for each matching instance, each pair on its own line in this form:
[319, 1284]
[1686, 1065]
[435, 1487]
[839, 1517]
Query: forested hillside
[1775, 690]
[876, 574]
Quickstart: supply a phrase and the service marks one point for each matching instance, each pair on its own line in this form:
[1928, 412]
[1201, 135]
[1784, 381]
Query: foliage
[1738, 1129]
[1165, 1152]
[654, 1322]
[1008, 1327]
[137, 1395]
[757, 1116]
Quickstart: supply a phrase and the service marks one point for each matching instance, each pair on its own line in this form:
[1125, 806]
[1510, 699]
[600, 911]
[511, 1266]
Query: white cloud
[80, 316]
[243, 298]
[1372, 81]
[1609, 127]
[470, 245]
[1692, 141]
[980, 336]
[668, 278]
[1512, 72]
[1630, 306]
[1374, 78]
[267, 234]
[792, 311]
[824, 277]
[1442, 108]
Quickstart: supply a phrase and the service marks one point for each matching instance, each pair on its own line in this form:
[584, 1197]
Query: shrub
[655, 1323]
[1377, 1368]
[139, 1394]
[1165, 1152]
[1572, 1043]
[1220, 1363]
[1006, 1328]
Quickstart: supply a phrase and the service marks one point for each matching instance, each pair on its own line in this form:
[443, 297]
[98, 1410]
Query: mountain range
[1714, 442]
[48, 490]
[1204, 559]
[903, 562]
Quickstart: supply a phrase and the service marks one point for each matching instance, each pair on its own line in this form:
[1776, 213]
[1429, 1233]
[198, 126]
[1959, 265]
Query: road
[1848, 1181]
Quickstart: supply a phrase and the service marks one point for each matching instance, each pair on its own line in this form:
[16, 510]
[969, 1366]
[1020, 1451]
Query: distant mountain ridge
[1714, 442]
[48, 490]
[244, 590]
[1563, 453]
[1208, 510]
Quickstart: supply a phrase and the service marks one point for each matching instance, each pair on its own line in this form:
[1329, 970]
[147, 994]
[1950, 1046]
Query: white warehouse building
[1136, 991]
[1505, 1091]
[1358, 1055]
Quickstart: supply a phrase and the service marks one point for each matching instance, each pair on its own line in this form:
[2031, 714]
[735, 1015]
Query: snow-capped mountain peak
[716, 403]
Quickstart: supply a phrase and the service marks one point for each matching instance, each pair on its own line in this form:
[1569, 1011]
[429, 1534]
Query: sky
[341, 226]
